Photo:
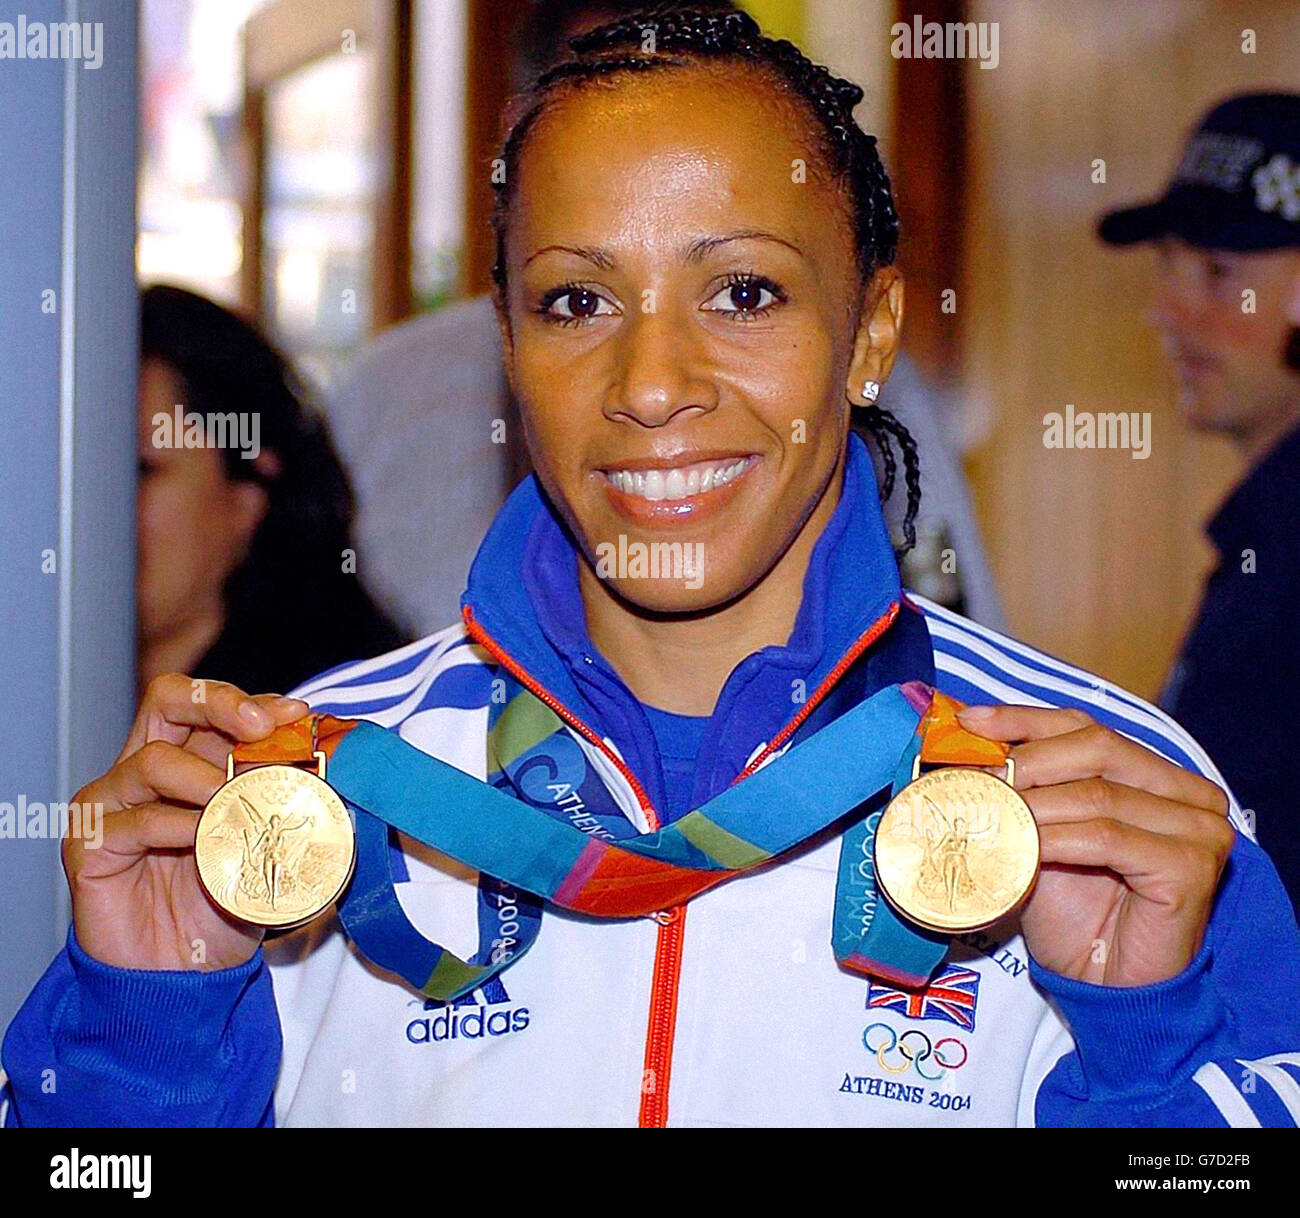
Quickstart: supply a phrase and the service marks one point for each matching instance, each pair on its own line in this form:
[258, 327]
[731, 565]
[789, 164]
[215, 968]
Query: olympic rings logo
[920, 1049]
[866, 870]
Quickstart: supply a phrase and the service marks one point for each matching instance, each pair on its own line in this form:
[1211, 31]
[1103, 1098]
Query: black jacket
[1236, 686]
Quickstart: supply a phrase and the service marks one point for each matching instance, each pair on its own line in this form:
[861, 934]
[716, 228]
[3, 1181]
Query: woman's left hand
[1132, 847]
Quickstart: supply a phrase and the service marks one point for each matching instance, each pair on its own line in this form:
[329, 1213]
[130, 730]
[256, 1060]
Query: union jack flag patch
[951, 997]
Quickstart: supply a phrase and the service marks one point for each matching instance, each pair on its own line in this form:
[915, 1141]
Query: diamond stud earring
[871, 390]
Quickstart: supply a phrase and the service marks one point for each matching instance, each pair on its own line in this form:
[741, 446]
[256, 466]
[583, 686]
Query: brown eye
[576, 304]
[745, 296]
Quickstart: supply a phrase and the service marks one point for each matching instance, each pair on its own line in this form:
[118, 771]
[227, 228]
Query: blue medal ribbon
[525, 849]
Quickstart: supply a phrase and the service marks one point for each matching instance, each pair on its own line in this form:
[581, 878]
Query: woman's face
[194, 525]
[682, 312]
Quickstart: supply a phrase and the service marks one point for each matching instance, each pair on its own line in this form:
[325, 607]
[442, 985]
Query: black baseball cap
[1237, 186]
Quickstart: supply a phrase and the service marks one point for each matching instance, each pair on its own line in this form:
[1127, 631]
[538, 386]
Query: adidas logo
[469, 1019]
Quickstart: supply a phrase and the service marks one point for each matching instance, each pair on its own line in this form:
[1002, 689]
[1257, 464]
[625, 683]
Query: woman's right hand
[136, 899]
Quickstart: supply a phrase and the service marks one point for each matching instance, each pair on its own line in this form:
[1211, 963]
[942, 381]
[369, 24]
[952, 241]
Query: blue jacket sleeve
[95, 1045]
[1218, 1045]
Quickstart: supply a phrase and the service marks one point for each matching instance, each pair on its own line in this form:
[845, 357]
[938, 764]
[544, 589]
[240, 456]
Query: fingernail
[251, 713]
[975, 714]
[285, 700]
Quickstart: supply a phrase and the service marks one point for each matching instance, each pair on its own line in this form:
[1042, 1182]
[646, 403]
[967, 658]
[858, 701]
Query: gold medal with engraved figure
[957, 849]
[275, 845]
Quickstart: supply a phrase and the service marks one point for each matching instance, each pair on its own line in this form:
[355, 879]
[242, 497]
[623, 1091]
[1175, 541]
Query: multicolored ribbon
[527, 854]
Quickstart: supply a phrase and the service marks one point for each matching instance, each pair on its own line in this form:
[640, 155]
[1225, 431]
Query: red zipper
[661, 1027]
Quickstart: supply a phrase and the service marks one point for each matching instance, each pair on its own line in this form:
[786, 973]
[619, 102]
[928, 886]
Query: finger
[1099, 799]
[1022, 722]
[174, 705]
[1065, 744]
[1098, 752]
[1158, 867]
[125, 836]
[157, 770]
[215, 747]
[151, 826]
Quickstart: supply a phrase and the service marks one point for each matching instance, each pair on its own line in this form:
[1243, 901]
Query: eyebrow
[590, 253]
[695, 252]
[706, 245]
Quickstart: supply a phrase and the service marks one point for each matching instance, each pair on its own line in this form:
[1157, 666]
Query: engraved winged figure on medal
[945, 872]
[270, 858]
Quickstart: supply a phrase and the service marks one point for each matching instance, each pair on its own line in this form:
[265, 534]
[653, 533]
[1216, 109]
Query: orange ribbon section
[945, 742]
[295, 742]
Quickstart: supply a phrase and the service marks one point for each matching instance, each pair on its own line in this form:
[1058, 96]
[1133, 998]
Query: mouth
[1189, 361]
[674, 482]
[662, 491]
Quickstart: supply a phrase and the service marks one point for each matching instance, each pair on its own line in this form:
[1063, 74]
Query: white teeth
[657, 484]
[727, 473]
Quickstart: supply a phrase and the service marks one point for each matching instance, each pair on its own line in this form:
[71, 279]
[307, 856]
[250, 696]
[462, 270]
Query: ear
[268, 464]
[880, 325]
[248, 502]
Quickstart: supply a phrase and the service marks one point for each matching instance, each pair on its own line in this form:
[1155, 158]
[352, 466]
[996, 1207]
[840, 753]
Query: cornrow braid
[884, 427]
[659, 38]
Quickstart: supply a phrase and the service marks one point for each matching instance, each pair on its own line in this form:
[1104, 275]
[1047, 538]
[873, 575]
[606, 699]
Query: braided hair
[682, 37]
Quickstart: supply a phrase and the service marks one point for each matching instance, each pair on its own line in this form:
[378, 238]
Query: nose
[1177, 305]
[1166, 304]
[659, 372]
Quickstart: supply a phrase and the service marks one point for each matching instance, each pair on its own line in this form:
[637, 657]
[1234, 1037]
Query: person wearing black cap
[1227, 306]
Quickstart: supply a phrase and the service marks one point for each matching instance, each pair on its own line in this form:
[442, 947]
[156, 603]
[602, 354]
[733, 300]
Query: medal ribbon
[525, 853]
[867, 934]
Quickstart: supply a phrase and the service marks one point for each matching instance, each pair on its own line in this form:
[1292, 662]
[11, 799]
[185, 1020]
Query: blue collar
[523, 593]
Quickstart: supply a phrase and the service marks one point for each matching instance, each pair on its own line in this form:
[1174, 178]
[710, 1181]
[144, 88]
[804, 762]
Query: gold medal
[275, 845]
[956, 849]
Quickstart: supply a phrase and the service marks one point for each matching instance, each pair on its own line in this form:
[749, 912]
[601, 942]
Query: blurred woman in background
[246, 567]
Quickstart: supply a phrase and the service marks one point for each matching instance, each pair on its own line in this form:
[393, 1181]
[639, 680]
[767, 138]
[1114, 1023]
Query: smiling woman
[680, 318]
[691, 759]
